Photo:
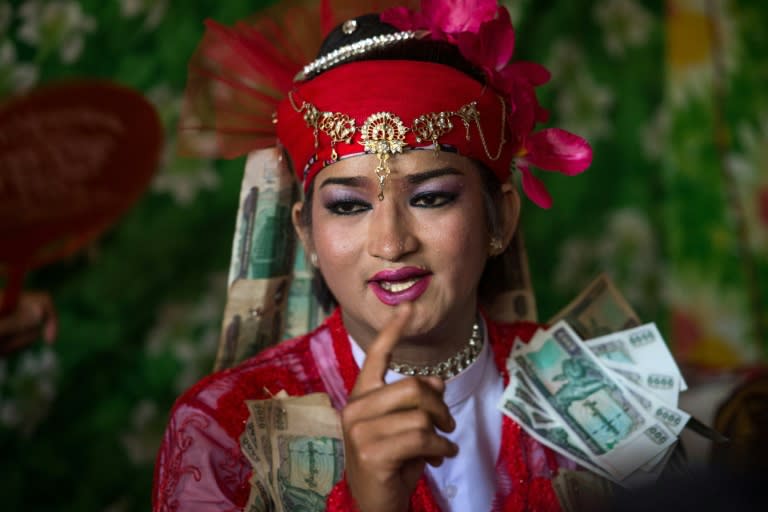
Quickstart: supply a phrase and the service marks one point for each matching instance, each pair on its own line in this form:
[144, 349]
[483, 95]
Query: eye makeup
[445, 188]
[343, 201]
[432, 188]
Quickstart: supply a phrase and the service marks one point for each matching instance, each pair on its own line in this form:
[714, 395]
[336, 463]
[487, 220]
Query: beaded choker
[452, 366]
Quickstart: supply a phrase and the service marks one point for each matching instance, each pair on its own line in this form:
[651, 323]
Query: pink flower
[552, 149]
[483, 33]
[492, 46]
[443, 17]
[533, 73]
[524, 109]
[491, 49]
[519, 80]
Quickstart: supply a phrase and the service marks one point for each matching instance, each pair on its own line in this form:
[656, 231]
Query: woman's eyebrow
[421, 177]
[352, 181]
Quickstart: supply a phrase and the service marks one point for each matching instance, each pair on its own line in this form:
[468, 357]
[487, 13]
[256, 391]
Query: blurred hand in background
[34, 317]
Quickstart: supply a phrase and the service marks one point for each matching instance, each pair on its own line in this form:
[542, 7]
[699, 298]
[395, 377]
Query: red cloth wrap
[407, 89]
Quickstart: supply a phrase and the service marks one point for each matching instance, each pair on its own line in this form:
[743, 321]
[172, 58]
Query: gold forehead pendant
[383, 134]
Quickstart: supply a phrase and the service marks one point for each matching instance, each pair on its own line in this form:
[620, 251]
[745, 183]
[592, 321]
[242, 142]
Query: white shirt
[467, 481]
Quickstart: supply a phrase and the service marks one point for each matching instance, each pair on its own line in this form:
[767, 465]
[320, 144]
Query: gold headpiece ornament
[383, 133]
[250, 66]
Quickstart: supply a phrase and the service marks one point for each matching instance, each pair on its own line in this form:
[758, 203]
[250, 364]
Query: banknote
[255, 441]
[303, 312]
[600, 309]
[556, 435]
[655, 466]
[656, 392]
[580, 491]
[537, 408]
[553, 434]
[618, 434]
[663, 385]
[260, 499]
[673, 418]
[527, 407]
[250, 446]
[296, 451]
[307, 451]
[528, 404]
[642, 346]
[253, 319]
[264, 241]
[650, 472]
[263, 250]
[594, 423]
[307, 468]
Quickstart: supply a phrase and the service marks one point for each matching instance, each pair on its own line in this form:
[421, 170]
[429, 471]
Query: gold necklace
[449, 367]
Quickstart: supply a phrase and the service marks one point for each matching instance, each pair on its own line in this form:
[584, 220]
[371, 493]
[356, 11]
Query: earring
[313, 259]
[495, 246]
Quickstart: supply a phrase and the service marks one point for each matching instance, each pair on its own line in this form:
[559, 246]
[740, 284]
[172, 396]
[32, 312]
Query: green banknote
[264, 240]
[523, 405]
[642, 346]
[307, 469]
[296, 450]
[303, 312]
[601, 413]
[260, 499]
[651, 381]
[262, 259]
[675, 419]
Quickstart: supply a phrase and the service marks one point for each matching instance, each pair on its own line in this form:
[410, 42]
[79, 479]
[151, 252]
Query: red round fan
[73, 158]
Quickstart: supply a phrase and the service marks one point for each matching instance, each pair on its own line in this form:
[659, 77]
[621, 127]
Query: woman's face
[427, 242]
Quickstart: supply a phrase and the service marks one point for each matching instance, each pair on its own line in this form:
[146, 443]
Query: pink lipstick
[400, 285]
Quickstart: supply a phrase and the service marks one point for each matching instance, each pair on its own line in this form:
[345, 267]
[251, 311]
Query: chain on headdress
[383, 133]
[245, 65]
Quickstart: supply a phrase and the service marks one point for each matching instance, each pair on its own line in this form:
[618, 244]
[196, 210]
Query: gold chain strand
[503, 131]
[449, 367]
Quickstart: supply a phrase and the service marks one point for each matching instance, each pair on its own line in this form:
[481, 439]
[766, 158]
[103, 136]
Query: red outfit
[201, 467]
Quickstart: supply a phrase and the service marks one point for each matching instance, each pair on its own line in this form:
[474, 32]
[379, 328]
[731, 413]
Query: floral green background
[671, 95]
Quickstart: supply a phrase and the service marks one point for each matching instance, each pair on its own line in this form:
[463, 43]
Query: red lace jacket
[200, 466]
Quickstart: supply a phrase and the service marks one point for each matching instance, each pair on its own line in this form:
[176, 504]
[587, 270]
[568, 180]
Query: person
[34, 316]
[403, 134]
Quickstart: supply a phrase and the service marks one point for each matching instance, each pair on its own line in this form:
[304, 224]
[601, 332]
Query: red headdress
[255, 81]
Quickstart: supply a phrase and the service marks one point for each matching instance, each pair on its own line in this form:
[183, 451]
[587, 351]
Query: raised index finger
[379, 353]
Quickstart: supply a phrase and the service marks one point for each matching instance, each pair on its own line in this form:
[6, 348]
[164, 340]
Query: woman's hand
[390, 429]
